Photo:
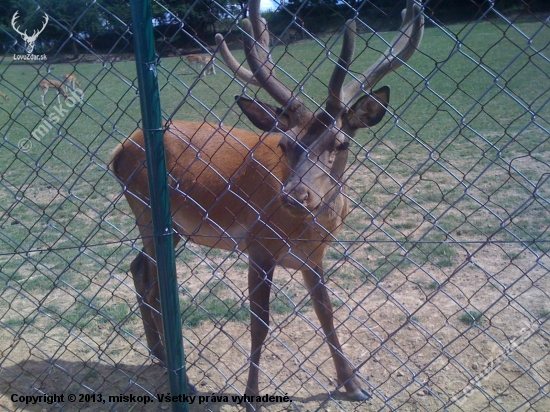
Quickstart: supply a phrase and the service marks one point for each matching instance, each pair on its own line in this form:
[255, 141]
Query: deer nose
[297, 195]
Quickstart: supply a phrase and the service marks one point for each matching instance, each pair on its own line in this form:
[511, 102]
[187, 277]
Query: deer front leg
[323, 310]
[260, 276]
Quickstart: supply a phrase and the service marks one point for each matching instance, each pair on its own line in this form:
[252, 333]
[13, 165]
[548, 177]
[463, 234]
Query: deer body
[234, 195]
[231, 200]
[291, 35]
[71, 81]
[46, 84]
[204, 64]
[195, 60]
[209, 67]
[279, 197]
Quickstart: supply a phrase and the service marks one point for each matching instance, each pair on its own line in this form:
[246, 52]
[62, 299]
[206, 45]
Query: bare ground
[404, 337]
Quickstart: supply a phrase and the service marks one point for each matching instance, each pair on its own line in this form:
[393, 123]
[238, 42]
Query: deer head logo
[29, 40]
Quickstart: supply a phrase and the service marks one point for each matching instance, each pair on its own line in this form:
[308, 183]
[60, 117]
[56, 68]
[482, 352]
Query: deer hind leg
[145, 281]
[145, 275]
[44, 91]
[260, 275]
[324, 311]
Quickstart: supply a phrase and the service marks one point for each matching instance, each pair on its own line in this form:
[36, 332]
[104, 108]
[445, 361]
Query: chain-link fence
[438, 278]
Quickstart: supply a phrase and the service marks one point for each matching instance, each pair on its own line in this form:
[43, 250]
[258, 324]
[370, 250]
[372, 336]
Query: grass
[463, 158]
[543, 313]
[208, 306]
[433, 285]
[471, 318]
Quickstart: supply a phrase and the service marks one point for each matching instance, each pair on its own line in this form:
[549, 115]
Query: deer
[203, 64]
[277, 197]
[46, 84]
[209, 67]
[291, 35]
[195, 60]
[71, 81]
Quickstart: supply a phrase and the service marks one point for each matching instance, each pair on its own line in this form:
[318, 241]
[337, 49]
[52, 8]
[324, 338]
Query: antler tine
[261, 66]
[241, 72]
[13, 21]
[46, 20]
[261, 34]
[400, 50]
[262, 69]
[335, 102]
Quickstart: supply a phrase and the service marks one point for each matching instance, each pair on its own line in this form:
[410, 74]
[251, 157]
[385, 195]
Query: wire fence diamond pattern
[438, 277]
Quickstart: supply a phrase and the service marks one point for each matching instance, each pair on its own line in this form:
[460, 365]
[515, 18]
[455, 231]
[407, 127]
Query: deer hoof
[253, 408]
[359, 395]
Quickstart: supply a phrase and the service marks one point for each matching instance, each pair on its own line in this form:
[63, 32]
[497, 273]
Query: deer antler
[37, 32]
[335, 101]
[262, 70]
[13, 20]
[25, 35]
[241, 72]
[400, 50]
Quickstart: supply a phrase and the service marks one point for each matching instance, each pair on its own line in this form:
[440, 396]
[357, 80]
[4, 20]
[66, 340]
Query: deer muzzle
[300, 195]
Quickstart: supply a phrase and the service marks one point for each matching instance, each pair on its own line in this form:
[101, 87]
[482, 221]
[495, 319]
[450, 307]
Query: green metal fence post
[146, 64]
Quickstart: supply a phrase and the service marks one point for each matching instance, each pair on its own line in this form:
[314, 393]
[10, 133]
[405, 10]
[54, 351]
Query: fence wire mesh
[439, 278]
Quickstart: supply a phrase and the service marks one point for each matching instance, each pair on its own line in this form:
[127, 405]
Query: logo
[29, 40]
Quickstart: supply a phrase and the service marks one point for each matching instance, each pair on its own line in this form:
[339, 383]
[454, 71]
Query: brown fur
[277, 198]
[249, 216]
[46, 84]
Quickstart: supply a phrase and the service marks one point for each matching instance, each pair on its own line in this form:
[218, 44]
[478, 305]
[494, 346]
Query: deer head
[315, 144]
[29, 40]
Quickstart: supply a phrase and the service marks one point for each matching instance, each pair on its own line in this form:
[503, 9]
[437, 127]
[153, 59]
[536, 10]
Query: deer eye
[282, 147]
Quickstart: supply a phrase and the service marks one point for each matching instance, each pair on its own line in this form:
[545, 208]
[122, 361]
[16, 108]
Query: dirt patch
[404, 336]
[440, 295]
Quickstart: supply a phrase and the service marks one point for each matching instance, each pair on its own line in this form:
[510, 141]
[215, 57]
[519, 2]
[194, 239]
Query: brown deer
[71, 81]
[203, 64]
[278, 197]
[209, 67]
[290, 35]
[195, 60]
[46, 84]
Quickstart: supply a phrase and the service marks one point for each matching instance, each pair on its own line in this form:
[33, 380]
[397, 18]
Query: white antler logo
[29, 40]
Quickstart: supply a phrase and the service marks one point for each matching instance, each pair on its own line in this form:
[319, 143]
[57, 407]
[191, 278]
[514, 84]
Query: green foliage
[101, 25]
[471, 317]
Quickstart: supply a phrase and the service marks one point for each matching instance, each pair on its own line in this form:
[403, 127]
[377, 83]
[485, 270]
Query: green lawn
[441, 262]
[460, 156]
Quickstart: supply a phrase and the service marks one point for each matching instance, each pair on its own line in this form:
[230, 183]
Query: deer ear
[368, 110]
[262, 115]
